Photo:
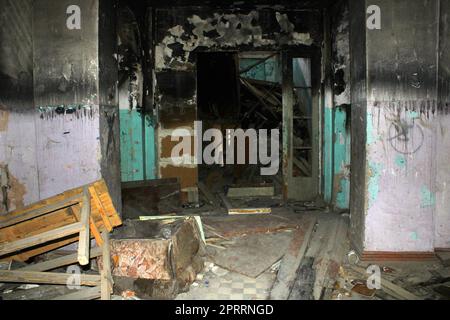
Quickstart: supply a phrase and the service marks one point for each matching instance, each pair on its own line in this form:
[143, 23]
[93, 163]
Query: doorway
[262, 90]
[301, 119]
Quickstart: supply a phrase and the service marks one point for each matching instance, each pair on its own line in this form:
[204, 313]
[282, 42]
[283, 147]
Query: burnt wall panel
[16, 57]
[66, 69]
[182, 31]
[18, 170]
[358, 120]
[403, 74]
[442, 217]
[109, 104]
[65, 61]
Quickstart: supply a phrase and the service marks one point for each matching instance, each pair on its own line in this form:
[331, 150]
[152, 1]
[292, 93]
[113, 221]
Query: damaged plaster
[222, 30]
[4, 118]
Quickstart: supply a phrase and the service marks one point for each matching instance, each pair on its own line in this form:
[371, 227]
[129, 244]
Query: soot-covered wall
[58, 128]
[402, 97]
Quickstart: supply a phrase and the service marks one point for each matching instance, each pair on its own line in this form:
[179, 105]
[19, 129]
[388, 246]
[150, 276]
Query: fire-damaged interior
[242, 150]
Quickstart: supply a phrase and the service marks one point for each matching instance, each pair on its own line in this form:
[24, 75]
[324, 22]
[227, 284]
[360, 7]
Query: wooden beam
[60, 262]
[46, 277]
[238, 211]
[291, 260]
[58, 233]
[243, 192]
[85, 237]
[100, 208]
[82, 294]
[106, 276]
[40, 211]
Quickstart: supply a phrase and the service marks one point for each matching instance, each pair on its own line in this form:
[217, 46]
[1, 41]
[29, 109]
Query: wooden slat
[291, 260]
[56, 219]
[39, 238]
[82, 294]
[93, 227]
[46, 277]
[95, 232]
[100, 208]
[60, 262]
[85, 238]
[40, 211]
[106, 283]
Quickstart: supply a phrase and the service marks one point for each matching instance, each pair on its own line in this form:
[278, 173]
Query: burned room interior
[224, 150]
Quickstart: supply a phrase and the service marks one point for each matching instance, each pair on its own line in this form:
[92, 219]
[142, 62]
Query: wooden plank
[34, 213]
[95, 232]
[149, 183]
[100, 208]
[304, 283]
[85, 237]
[46, 277]
[250, 211]
[393, 289]
[93, 227]
[60, 262]
[253, 254]
[106, 275]
[82, 294]
[291, 260]
[243, 192]
[39, 238]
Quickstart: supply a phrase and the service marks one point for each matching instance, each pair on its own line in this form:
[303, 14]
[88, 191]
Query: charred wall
[50, 78]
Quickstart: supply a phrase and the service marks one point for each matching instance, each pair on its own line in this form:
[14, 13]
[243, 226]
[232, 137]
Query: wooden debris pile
[73, 216]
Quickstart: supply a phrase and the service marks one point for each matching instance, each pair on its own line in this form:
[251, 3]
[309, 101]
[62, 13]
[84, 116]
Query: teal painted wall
[133, 155]
[336, 157]
[341, 156]
[327, 150]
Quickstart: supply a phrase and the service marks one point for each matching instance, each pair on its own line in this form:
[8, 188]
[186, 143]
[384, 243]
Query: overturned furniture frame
[76, 215]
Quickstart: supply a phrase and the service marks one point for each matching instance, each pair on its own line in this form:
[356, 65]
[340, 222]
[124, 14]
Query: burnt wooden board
[239, 225]
[253, 254]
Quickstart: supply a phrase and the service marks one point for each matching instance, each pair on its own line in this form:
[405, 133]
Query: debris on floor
[155, 258]
[74, 216]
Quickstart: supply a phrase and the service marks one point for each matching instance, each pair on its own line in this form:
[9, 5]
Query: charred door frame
[301, 188]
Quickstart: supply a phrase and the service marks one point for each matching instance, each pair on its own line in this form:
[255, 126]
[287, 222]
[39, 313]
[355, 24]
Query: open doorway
[239, 91]
[262, 90]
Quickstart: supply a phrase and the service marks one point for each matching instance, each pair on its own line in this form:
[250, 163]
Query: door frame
[301, 188]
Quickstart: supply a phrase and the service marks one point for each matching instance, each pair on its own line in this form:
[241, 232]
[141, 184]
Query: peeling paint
[400, 161]
[4, 117]
[224, 31]
[371, 136]
[15, 193]
[413, 114]
[77, 110]
[428, 198]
